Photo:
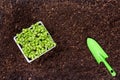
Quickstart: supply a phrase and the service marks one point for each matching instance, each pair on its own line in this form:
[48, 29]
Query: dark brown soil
[70, 23]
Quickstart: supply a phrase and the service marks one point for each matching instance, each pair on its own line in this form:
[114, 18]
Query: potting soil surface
[69, 22]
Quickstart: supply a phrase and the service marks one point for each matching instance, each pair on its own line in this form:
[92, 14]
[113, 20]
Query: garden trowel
[99, 54]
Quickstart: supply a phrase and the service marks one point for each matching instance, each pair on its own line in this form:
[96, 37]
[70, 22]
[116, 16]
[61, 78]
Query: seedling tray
[34, 41]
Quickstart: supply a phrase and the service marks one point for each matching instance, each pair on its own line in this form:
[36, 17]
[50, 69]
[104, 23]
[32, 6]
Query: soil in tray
[69, 23]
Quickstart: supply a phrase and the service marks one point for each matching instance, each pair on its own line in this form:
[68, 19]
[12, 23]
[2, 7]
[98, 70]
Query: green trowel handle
[112, 72]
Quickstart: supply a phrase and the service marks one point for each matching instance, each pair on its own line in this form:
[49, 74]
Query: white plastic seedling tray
[29, 61]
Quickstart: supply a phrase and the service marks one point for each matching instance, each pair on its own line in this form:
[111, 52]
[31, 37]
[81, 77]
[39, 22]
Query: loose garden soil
[69, 22]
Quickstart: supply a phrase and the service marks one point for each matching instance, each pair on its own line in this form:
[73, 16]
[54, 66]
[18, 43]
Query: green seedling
[34, 41]
[99, 54]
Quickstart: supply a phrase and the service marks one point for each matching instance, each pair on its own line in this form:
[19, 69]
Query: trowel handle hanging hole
[111, 71]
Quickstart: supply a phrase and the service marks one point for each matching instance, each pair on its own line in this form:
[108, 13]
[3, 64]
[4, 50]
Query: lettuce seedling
[34, 41]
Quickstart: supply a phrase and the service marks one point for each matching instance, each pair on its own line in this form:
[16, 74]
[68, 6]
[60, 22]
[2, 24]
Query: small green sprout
[35, 41]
